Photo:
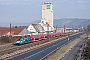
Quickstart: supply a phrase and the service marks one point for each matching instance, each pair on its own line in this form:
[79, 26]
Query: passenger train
[33, 38]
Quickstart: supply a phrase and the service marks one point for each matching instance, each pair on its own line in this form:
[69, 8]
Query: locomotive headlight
[17, 41]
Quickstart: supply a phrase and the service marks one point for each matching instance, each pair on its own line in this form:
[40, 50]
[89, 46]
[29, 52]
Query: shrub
[5, 39]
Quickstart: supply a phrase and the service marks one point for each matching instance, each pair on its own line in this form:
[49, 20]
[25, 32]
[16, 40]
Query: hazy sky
[30, 10]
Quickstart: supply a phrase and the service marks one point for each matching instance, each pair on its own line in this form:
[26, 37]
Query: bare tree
[88, 30]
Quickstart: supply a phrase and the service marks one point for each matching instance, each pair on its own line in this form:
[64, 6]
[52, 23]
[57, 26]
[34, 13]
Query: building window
[48, 6]
[42, 22]
[30, 29]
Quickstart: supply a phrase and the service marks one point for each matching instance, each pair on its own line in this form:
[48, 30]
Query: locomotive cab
[20, 41]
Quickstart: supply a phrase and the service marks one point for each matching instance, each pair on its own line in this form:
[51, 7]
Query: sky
[25, 11]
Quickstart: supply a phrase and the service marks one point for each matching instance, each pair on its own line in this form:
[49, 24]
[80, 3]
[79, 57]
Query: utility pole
[64, 30]
[48, 30]
[72, 29]
[10, 29]
[56, 29]
[10, 33]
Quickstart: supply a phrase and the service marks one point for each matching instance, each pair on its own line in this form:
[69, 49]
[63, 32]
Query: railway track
[6, 47]
[12, 48]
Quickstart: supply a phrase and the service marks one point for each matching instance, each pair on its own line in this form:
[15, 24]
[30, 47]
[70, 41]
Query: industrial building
[46, 24]
[47, 13]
